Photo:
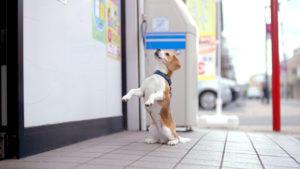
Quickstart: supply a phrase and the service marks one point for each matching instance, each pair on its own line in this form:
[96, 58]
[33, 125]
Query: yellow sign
[205, 15]
[113, 29]
[107, 26]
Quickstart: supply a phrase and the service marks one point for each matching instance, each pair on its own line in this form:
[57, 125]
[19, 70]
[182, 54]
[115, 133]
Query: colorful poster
[107, 26]
[113, 29]
[204, 12]
[99, 20]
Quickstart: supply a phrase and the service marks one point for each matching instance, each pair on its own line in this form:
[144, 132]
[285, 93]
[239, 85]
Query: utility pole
[219, 49]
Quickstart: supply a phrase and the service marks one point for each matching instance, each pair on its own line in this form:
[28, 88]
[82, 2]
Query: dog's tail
[184, 140]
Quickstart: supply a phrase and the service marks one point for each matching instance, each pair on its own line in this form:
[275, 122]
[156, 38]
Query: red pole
[275, 66]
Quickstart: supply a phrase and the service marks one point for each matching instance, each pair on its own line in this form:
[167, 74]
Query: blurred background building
[293, 75]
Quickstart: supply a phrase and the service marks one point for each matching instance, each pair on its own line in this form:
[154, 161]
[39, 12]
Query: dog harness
[165, 77]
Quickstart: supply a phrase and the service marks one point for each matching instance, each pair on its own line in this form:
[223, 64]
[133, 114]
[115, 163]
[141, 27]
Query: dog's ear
[174, 64]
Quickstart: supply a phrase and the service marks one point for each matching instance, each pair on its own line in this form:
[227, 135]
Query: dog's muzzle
[157, 53]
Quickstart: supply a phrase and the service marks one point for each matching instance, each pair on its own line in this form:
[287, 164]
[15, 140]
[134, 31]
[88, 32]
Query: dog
[156, 91]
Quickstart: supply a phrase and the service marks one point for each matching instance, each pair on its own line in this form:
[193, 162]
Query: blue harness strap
[164, 76]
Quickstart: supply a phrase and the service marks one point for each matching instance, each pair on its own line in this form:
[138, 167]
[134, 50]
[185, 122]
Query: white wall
[67, 76]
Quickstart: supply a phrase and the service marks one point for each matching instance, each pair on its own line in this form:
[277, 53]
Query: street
[253, 115]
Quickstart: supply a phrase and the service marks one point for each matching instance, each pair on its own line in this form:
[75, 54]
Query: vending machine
[167, 24]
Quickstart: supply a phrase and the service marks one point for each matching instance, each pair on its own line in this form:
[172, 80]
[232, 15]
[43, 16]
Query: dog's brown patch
[165, 112]
[172, 61]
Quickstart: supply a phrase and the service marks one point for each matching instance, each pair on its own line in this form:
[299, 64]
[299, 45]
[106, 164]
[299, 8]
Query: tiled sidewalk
[209, 149]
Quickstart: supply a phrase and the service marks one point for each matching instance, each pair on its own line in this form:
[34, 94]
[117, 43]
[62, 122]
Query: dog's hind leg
[154, 135]
[137, 92]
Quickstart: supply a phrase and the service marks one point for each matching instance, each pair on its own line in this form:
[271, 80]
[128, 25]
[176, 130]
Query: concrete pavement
[209, 149]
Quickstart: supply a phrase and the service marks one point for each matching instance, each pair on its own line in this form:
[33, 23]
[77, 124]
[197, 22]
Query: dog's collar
[164, 76]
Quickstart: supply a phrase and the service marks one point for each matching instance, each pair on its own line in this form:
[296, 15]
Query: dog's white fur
[157, 101]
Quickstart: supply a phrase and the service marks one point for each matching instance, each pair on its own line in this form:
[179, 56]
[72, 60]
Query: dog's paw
[125, 98]
[173, 142]
[150, 140]
[149, 103]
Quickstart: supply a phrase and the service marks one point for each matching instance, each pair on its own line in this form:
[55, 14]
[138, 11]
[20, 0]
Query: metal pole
[219, 26]
[275, 66]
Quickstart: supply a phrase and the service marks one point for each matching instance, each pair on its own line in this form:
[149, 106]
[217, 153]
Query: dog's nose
[156, 52]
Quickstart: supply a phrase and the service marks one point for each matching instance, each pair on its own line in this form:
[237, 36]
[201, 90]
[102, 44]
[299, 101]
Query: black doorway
[11, 77]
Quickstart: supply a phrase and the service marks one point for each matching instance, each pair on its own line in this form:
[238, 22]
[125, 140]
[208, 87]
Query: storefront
[64, 73]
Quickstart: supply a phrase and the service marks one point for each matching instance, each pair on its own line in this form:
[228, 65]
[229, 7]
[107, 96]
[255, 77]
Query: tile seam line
[141, 157]
[284, 150]
[223, 153]
[190, 150]
[104, 154]
[258, 156]
[294, 139]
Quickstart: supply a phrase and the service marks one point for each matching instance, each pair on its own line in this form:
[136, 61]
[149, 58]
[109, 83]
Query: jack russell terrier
[156, 93]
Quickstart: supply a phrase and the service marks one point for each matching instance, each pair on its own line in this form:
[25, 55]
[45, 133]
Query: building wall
[292, 67]
[67, 74]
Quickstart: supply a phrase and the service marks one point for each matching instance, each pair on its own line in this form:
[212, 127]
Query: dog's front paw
[149, 103]
[125, 98]
[150, 140]
[172, 142]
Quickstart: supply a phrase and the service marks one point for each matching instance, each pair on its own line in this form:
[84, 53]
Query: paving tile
[232, 148]
[166, 154]
[145, 147]
[278, 167]
[200, 152]
[217, 156]
[295, 151]
[233, 157]
[160, 159]
[208, 149]
[270, 152]
[297, 157]
[278, 161]
[193, 166]
[238, 151]
[17, 164]
[135, 167]
[202, 162]
[128, 150]
[99, 149]
[121, 156]
[101, 166]
[59, 159]
[133, 152]
[150, 164]
[232, 144]
[64, 154]
[112, 162]
[241, 165]
[171, 149]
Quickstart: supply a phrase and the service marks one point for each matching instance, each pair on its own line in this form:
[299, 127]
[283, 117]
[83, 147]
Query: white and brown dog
[156, 93]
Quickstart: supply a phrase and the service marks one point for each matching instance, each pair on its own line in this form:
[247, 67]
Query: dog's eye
[167, 54]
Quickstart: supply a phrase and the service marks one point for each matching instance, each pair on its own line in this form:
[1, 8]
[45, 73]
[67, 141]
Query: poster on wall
[204, 13]
[99, 20]
[113, 29]
[107, 27]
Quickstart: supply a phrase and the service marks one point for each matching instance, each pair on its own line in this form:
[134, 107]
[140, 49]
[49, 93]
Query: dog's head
[168, 59]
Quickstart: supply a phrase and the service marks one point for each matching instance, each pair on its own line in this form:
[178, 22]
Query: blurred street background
[256, 116]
